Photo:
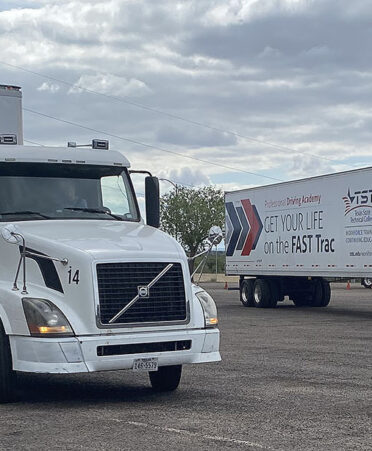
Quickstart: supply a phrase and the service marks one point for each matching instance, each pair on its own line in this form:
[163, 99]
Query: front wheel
[167, 378]
[7, 375]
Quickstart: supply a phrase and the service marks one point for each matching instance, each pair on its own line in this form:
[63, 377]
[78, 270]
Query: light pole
[172, 183]
[216, 263]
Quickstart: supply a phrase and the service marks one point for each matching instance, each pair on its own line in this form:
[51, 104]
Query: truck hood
[100, 238]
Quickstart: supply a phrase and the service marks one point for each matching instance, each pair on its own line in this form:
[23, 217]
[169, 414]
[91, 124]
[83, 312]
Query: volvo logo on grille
[143, 291]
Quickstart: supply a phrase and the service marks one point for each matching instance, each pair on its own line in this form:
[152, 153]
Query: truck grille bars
[136, 290]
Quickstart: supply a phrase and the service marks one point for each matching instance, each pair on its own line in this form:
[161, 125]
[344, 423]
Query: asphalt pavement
[290, 379]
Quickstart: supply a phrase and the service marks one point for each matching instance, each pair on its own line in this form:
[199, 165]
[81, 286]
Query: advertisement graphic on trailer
[301, 226]
[358, 214]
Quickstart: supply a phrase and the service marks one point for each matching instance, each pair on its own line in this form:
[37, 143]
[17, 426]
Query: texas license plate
[146, 364]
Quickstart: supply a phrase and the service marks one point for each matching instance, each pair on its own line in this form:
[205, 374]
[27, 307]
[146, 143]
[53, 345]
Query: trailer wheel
[246, 292]
[317, 296]
[167, 378]
[8, 378]
[326, 293]
[367, 282]
[300, 301]
[261, 294]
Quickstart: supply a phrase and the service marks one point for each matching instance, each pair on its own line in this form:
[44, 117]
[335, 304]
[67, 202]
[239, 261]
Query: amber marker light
[209, 308]
[52, 330]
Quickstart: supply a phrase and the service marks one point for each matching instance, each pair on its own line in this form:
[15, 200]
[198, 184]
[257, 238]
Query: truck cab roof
[65, 155]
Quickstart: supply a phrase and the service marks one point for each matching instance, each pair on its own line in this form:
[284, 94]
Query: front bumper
[79, 354]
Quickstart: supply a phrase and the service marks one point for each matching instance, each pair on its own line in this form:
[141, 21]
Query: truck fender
[5, 321]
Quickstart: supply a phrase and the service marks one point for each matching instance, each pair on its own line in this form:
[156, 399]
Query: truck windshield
[30, 191]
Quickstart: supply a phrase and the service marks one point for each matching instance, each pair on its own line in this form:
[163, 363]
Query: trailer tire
[326, 293]
[8, 377]
[317, 296]
[300, 301]
[167, 378]
[246, 292]
[367, 282]
[261, 294]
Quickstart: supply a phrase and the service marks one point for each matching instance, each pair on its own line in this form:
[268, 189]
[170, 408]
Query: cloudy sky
[228, 92]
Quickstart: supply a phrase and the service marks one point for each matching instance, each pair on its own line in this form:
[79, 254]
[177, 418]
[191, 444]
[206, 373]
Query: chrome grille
[118, 284]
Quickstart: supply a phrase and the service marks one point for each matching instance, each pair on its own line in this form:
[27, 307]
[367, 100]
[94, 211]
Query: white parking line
[194, 434]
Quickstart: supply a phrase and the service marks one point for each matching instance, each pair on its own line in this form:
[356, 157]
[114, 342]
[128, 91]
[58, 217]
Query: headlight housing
[45, 319]
[209, 308]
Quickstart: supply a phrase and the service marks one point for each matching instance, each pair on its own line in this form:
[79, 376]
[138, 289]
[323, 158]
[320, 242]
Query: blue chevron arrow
[245, 231]
[260, 227]
[229, 229]
[236, 228]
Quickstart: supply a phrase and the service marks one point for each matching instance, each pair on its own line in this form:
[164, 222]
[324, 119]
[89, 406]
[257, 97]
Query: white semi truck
[286, 239]
[85, 284]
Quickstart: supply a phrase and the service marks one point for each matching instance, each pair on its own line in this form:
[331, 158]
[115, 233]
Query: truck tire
[367, 282]
[326, 293]
[8, 378]
[167, 378]
[317, 295]
[261, 294]
[246, 292]
[300, 300]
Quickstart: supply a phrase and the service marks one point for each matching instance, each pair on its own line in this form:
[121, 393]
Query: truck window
[114, 196]
[65, 192]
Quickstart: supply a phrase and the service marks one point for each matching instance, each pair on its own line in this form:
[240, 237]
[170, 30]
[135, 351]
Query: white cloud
[50, 87]
[259, 68]
[185, 176]
[110, 84]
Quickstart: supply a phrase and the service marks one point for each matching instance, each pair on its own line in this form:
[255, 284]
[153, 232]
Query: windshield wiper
[25, 212]
[94, 210]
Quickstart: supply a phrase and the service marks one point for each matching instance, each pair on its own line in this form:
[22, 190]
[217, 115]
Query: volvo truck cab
[85, 284]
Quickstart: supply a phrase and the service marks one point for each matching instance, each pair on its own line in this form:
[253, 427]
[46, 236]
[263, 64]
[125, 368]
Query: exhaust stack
[11, 124]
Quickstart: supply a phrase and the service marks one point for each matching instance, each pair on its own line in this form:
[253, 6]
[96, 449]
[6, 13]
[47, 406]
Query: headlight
[45, 319]
[209, 308]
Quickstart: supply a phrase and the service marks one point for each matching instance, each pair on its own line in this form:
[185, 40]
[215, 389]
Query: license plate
[146, 364]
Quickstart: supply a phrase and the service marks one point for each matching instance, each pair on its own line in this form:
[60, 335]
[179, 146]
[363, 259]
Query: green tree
[188, 213]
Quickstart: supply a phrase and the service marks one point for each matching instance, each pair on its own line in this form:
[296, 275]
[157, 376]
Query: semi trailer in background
[288, 239]
[85, 284]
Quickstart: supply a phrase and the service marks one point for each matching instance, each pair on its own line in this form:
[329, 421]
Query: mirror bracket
[11, 235]
[215, 236]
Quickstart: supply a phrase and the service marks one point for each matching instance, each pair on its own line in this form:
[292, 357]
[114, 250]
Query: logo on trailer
[358, 199]
[243, 227]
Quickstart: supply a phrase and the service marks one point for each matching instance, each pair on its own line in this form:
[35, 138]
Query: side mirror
[10, 234]
[152, 201]
[215, 235]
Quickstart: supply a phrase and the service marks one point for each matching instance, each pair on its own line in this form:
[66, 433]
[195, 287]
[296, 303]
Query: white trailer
[85, 284]
[287, 238]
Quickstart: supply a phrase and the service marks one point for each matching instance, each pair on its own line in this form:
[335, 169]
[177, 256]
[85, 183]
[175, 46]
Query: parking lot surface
[291, 379]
